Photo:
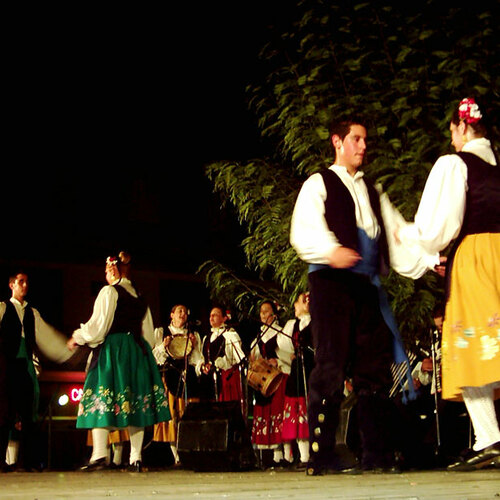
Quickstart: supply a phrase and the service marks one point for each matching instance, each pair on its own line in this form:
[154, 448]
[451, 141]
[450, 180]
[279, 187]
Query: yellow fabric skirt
[118, 436]
[471, 328]
[166, 432]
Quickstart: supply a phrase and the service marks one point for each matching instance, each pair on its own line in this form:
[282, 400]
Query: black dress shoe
[33, 468]
[321, 469]
[281, 465]
[300, 466]
[5, 467]
[135, 467]
[99, 464]
[490, 456]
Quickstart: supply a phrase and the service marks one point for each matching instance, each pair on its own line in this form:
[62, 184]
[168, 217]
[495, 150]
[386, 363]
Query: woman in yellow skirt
[178, 353]
[461, 202]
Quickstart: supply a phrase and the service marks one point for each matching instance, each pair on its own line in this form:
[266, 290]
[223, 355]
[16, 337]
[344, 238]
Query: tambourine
[179, 346]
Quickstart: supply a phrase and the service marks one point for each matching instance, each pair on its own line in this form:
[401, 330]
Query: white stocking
[174, 453]
[287, 451]
[99, 444]
[12, 452]
[278, 455]
[136, 439]
[117, 453]
[303, 445]
[481, 408]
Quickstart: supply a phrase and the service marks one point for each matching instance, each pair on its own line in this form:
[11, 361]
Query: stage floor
[185, 485]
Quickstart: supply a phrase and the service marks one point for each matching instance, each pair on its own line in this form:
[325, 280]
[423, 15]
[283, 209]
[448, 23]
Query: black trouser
[352, 340]
[16, 402]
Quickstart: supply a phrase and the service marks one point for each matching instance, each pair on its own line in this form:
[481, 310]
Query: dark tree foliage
[402, 68]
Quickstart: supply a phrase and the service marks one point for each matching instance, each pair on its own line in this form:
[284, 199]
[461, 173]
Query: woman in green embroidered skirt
[123, 387]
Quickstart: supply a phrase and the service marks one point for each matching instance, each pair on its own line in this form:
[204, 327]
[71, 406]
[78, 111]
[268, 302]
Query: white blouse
[441, 210]
[97, 327]
[285, 341]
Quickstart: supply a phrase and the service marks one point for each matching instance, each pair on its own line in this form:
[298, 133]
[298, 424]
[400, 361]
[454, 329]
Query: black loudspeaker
[214, 437]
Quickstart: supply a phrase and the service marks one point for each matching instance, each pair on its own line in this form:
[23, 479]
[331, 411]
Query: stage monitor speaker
[214, 437]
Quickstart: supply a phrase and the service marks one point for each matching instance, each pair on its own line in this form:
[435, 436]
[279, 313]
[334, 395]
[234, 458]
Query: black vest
[340, 215]
[129, 314]
[215, 349]
[482, 209]
[128, 317]
[11, 331]
[482, 203]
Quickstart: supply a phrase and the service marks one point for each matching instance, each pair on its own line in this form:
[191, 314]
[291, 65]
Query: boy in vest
[342, 226]
[22, 333]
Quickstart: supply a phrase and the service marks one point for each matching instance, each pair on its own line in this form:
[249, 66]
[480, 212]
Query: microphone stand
[437, 385]
[243, 382]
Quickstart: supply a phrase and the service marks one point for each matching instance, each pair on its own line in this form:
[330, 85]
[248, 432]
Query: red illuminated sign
[76, 394]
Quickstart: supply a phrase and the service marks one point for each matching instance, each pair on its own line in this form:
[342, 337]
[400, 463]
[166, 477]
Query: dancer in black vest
[461, 202]
[22, 333]
[338, 227]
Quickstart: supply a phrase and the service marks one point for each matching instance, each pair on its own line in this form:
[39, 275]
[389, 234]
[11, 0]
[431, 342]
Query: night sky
[114, 116]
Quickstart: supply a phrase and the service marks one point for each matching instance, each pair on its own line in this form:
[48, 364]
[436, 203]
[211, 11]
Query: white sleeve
[95, 330]
[309, 233]
[196, 357]
[148, 331]
[51, 342]
[233, 351]
[159, 351]
[441, 210]
[407, 258]
[285, 342]
[255, 350]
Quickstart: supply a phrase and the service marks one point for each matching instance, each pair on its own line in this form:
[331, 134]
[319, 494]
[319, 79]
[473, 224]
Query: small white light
[63, 400]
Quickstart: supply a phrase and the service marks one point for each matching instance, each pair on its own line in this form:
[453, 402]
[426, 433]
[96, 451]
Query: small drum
[264, 377]
[179, 346]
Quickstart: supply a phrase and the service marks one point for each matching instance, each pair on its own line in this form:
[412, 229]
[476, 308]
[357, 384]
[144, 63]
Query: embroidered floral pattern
[263, 427]
[104, 402]
[489, 346]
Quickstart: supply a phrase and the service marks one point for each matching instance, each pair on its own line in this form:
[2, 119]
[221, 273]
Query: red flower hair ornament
[469, 111]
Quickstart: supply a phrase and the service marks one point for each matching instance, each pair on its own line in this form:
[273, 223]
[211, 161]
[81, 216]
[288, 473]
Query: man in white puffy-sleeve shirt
[23, 333]
[343, 227]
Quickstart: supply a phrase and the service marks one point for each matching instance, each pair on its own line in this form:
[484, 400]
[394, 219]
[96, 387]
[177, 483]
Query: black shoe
[386, 469]
[5, 467]
[490, 456]
[135, 467]
[99, 464]
[281, 465]
[33, 468]
[300, 466]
